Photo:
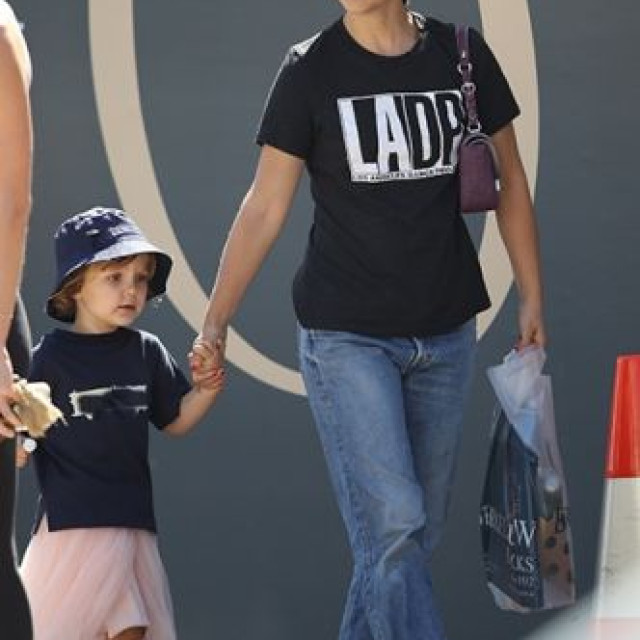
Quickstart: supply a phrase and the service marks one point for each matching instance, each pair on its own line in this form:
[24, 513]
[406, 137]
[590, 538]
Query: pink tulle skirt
[90, 584]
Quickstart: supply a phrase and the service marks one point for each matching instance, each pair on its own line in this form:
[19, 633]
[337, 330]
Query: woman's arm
[257, 225]
[15, 166]
[15, 189]
[517, 225]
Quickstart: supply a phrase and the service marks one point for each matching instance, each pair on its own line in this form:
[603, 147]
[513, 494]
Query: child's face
[113, 294]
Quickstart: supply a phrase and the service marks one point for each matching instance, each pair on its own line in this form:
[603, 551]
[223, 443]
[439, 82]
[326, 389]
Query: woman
[15, 204]
[387, 294]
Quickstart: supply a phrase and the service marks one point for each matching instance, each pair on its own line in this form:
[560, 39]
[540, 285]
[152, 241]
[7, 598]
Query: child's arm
[195, 404]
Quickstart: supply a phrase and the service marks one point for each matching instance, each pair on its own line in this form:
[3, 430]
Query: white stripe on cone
[614, 611]
[617, 606]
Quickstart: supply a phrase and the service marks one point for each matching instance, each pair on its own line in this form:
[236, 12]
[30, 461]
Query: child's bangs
[150, 262]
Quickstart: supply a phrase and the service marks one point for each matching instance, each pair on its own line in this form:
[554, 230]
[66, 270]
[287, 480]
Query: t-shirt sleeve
[497, 105]
[286, 122]
[168, 384]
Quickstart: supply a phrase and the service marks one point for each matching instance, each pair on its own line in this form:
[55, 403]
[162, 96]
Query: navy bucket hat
[97, 235]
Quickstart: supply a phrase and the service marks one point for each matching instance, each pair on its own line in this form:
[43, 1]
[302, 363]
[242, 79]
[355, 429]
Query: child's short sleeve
[167, 385]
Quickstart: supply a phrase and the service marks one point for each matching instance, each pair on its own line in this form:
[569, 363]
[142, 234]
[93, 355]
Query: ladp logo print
[121, 121]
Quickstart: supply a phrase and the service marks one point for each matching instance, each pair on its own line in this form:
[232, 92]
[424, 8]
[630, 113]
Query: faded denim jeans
[389, 413]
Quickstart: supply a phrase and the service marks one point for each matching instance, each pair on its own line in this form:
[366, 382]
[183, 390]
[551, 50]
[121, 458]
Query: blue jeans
[389, 414]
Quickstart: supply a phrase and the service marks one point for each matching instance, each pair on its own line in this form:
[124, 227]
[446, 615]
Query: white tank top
[8, 17]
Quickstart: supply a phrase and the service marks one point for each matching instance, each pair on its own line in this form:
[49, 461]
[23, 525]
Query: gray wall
[249, 531]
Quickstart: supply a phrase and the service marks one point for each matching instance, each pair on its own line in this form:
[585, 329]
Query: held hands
[206, 361]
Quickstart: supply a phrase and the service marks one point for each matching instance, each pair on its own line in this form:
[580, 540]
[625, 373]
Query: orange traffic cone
[617, 605]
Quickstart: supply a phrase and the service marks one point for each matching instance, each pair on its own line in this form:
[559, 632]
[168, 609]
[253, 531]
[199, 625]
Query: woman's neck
[387, 32]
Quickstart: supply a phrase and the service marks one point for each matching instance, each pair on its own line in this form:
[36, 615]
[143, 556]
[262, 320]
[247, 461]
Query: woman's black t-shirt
[388, 252]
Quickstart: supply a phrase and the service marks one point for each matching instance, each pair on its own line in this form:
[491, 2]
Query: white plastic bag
[526, 537]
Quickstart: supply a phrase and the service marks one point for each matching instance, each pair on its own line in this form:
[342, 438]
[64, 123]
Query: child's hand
[205, 363]
[214, 383]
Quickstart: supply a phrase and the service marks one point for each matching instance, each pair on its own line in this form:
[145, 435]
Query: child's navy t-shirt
[93, 471]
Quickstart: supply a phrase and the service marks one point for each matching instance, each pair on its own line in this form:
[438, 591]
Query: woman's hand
[206, 360]
[531, 325]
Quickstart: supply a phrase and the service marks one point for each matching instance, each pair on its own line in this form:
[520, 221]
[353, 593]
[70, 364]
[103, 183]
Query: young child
[92, 569]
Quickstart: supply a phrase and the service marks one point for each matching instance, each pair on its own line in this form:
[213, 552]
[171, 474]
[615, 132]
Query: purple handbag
[477, 159]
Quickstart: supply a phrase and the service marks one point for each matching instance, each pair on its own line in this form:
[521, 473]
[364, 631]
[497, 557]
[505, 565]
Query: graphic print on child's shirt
[116, 399]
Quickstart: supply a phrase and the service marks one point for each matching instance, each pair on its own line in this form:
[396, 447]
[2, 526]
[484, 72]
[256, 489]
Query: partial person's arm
[517, 225]
[256, 227]
[15, 191]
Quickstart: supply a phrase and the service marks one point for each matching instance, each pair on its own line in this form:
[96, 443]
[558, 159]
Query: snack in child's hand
[34, 407]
